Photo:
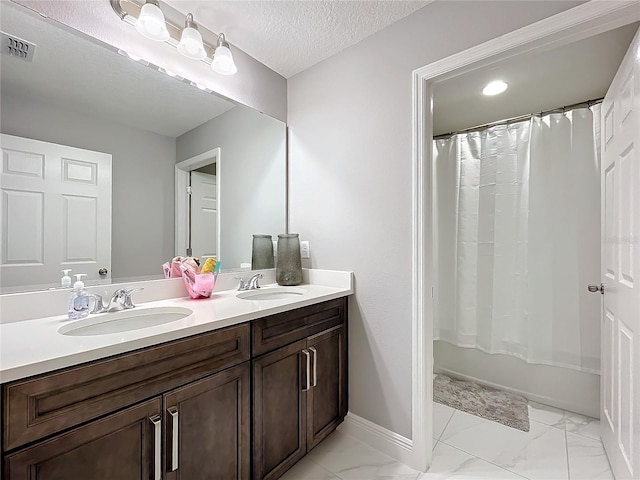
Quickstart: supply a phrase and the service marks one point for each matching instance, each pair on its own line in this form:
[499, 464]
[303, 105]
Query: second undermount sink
[124, 321]
[271, 293]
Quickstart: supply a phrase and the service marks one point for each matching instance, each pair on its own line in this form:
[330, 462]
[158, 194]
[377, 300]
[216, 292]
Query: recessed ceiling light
[495, 87]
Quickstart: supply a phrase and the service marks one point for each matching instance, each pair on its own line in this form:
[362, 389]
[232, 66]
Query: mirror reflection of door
[56, 213]
[203, 218]
[198, 205]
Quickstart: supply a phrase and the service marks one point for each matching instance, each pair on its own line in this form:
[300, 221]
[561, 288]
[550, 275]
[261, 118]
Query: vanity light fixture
[191, 41]
[151, 23]
[222, 58]
[495, 87]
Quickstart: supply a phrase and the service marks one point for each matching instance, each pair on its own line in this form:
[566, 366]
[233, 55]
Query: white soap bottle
[65, 281]
[80, 299]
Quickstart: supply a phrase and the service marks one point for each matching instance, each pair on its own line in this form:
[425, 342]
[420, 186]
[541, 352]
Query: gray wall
[142, 167]
[350, 180]
[251, 175]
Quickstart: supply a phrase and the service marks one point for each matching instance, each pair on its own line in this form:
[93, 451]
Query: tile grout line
[483, 460]
[325, 469]
[566, 449]
[445, 426]
[475, 456]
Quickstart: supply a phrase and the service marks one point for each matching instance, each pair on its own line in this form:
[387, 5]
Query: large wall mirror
[91, 142]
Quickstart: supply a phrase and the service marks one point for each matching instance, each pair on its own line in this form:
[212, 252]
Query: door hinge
[189, 190]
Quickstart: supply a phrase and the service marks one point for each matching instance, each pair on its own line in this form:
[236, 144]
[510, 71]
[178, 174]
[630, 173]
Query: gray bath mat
[502, 407]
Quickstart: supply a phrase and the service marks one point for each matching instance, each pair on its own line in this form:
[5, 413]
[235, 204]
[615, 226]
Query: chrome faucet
[120, 300]
[251, 284]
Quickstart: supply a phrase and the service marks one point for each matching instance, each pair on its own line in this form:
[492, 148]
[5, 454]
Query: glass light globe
[223, 61]
[191, 44]
[151, 23]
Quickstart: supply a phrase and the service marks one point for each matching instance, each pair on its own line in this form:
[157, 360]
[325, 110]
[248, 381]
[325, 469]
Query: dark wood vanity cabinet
[113, 418]
[182, 410]
[120, 446]
[207, 427]
[327, 398]
[300, 389]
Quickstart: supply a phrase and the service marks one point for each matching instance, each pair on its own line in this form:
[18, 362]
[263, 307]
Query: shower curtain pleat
[517, 211]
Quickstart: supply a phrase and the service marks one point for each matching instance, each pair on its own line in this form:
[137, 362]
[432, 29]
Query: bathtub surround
[497, 405]
[561, 387]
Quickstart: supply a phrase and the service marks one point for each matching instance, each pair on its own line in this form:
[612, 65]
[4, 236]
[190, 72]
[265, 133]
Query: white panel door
[620, 377]
[56, 212]
[204, 215]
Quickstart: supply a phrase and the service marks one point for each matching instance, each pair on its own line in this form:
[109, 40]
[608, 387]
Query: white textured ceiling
[72, 72]
[538, 81]
[291, 36]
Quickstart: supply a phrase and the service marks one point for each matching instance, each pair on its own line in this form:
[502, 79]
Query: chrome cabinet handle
[315, 366]
[157, 434]
[306, 353]
[173, 411]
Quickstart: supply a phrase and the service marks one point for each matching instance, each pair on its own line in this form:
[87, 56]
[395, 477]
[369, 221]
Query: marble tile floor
[560, 445]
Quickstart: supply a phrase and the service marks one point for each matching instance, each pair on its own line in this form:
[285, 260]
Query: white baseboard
[388, 442]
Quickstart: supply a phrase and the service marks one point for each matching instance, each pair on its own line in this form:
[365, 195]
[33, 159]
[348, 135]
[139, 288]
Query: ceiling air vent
[16, 47]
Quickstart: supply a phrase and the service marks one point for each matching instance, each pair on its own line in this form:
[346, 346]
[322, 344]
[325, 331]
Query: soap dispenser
[79, 300]
[65, 281]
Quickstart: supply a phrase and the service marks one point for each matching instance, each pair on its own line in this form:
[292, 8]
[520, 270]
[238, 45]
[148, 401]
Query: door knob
[103, 271]
[593, 288]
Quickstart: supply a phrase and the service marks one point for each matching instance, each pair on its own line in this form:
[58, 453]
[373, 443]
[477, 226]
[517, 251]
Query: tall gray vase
[262, 252]
[289, 262]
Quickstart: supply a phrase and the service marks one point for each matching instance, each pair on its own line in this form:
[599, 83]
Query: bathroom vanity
[239, 401]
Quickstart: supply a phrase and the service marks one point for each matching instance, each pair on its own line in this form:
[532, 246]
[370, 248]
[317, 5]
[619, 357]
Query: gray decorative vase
[262, 252]
[289, 262]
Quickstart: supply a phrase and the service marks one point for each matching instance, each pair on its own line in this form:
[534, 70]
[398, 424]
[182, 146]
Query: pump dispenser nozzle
[79, 285]
[65, 281]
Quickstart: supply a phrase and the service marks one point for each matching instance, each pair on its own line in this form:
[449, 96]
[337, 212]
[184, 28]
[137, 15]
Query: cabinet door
[279, 409]
[207, 428]
[327, 397]
[125, 446]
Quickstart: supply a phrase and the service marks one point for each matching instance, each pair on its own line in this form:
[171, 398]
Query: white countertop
[31, 347]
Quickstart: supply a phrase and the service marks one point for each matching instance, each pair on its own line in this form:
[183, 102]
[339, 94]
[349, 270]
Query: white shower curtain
[517, 213]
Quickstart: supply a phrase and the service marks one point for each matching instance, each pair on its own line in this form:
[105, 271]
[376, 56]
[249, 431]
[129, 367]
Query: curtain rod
[522, 118]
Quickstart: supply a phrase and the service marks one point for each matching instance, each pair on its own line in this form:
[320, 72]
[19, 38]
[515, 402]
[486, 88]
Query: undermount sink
[271, 293]
[124, 321]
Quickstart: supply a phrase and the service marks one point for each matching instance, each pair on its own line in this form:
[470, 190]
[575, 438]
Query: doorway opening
[581, 22]
[198, 205]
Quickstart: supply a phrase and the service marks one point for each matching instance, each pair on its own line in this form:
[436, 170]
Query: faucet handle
[242, 285]
[127, 303]
[98, 306]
